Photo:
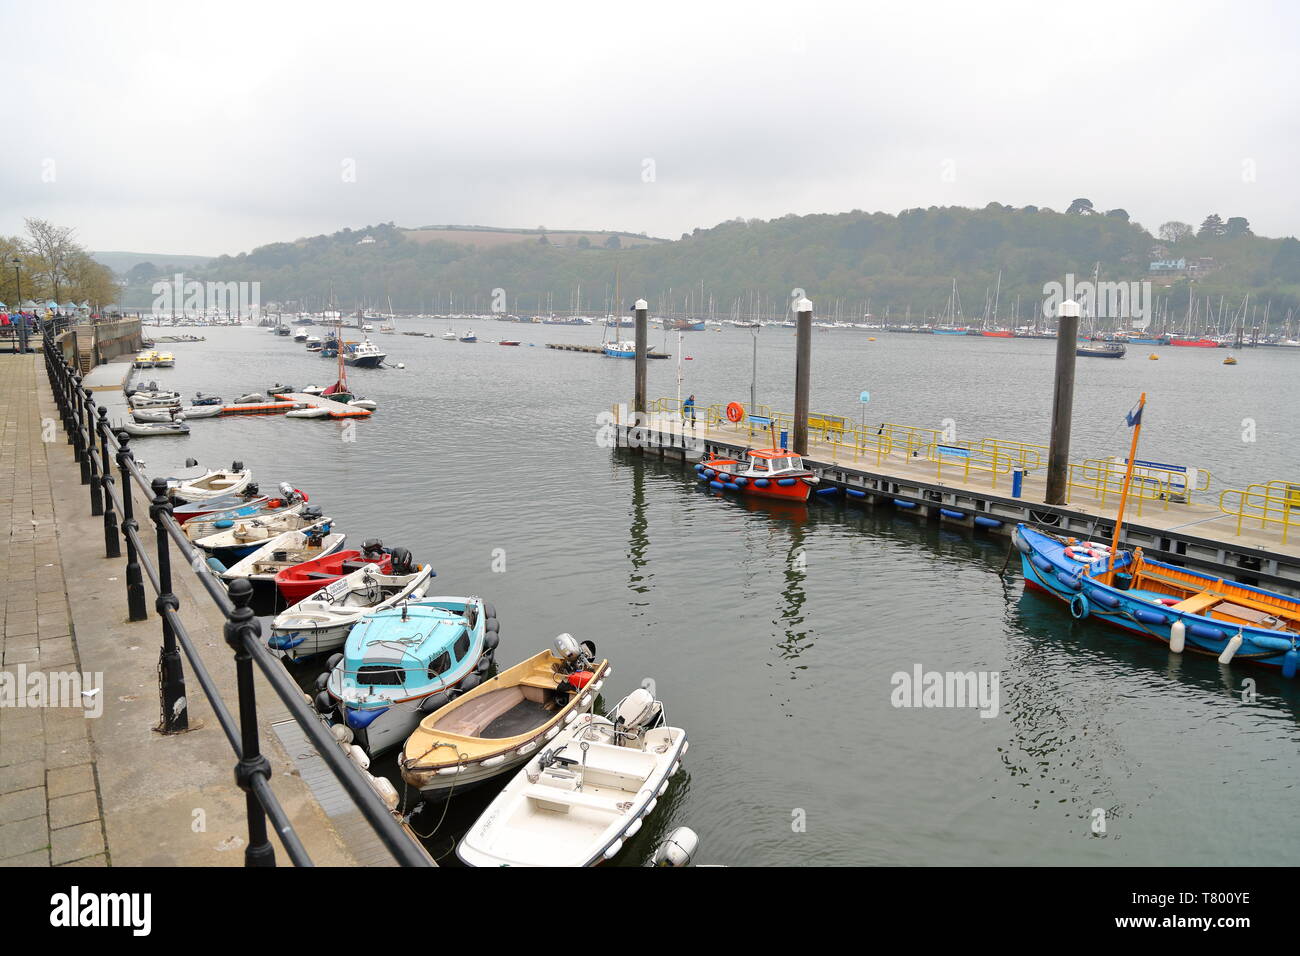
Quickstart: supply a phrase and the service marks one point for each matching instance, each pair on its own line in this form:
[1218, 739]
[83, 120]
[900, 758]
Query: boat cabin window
[758, 464]
[462, 646]
[441, 664]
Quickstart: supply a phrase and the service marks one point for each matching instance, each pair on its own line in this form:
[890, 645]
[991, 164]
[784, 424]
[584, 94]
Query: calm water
[773, 635]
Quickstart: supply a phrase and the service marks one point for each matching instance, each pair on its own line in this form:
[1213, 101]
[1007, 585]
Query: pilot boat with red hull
[766, 472]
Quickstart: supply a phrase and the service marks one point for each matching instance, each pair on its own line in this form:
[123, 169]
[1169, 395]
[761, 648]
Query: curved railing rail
[96, 448]
[1274, 503]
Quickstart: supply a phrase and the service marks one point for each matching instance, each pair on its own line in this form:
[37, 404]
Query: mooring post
[175, 715]
[1058, 455]
[642, 340]
[802, 374]
[242, 627]
[134, 579]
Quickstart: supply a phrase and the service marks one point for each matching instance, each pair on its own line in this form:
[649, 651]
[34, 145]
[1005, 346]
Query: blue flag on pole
[1134, 417]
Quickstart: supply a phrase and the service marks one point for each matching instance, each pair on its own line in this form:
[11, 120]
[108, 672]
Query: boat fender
[904, 504]
[216, 565]
[699, 467]
[612, 850]
[469, 682]
[489, 610]
[742, 480]
[1019, 541]
[1068, 580]
[342, 733]
[949, 513]
[1234, 645]
[855, 493]
[492, 626]
[223, 523]
[710, 473]
[387, 792]
[1079, 607]
[359, 757]
[324, 703]
[702, 477]
[1206, 632]
[785, 482]
[333, 661]
[434, 702]
[984, 522]
[732, 486]
[761, 482]
[1101, 597]
[1149, 617]
[484, 664]
[321, 681]
[1041, 563]
[491, 639]
[716, 484]
[1289, 663]
[821, 491]
[1177, 637]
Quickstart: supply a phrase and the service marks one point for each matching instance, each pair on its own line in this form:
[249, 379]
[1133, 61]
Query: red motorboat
[507, 342]
[1195, 343]
[767, 472]
[303, 580]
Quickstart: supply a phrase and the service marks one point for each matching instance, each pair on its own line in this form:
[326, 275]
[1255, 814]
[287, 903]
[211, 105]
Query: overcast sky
[208, 128]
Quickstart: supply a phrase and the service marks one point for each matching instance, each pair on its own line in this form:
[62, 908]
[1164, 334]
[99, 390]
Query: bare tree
[53, 247]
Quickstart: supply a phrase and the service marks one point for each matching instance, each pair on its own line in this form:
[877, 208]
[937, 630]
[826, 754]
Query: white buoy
[400, 365]
[1177, 637]
[1234, 645]
[342, 733]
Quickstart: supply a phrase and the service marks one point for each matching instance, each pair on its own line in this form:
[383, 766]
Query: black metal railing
[95, 448]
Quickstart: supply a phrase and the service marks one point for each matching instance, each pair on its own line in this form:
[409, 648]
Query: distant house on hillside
[366, 241]
[1168, 265]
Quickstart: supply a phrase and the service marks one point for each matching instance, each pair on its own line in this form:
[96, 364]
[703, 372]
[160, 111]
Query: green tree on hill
[1211, 228]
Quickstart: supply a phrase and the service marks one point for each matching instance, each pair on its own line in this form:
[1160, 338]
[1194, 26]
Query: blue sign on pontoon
[761, 420]
[953, 451]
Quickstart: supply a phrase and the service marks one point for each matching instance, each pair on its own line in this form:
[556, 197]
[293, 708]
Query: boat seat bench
[562, 801]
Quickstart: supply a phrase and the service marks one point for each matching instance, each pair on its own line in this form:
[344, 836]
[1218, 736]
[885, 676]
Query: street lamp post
[21, 324]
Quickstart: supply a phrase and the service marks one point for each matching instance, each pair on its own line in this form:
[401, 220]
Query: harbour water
[773, 635]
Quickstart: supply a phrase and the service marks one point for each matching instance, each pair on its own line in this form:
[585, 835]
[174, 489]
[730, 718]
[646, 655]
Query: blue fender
[1079, 608]
[361, 719]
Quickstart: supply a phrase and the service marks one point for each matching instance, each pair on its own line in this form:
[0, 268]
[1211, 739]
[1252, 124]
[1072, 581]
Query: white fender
[1234, 645]
[1177, 637]
[613, 849]
[359, 757]
[633, 829]
[496, 761]
[527, 748]
[386, 790]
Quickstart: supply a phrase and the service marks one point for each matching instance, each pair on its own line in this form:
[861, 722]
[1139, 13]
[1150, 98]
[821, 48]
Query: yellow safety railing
[1269, 503]
[967, 459]
[1103, 479]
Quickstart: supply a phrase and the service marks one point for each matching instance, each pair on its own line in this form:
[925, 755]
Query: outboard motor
[311, 513]
[251, 490]
[637, 712]
[402, 562]
[236, 466]
[372, 549]
[566, 648]
[286, 490]
[678, 850]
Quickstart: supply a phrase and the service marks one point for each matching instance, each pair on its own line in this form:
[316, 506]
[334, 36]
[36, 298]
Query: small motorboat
[395, 659]
[579, 801]
[152, 429]
[155, 399]
[246, 535]
[287, 502]
[312, 411]
[252, 398]
[1230, 360]
[507, 342]
[449, 336]
[364, 354]
[214, 484]
[175, 413]
[280, 389]
[321, 623]
[313, 389]
[492, 729]
[303, 580]
[767, 472]
[1102, 350]
[201, 399]
[283, 551]
[621, 350]
[365, 403]
[469, 337]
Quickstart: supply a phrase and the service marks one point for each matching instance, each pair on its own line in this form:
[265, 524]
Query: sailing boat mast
[1135, 418]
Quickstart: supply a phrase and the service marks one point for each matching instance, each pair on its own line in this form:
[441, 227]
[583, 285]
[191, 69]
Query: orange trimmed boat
[767, 473]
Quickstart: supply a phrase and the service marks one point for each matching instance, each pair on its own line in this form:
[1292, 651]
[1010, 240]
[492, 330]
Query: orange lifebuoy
[735, 412]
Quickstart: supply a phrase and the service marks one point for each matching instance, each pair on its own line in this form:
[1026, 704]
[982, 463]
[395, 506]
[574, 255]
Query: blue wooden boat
[1189, 611]
[626, 350]
[403, 662]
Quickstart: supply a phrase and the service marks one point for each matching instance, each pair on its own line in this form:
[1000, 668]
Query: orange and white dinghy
[766, 472]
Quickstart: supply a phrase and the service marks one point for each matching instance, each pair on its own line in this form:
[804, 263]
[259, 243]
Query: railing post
[175, 717]
[241, 628]
[134, 579]
[91, 467]
[112, 545]
[75, 413]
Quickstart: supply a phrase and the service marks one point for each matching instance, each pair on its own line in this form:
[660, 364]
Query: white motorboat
[175, 413]
[300, 334]
[581, 799]
[283, 551]
[450, 336]
[365, 403]
[252, 398]
[321, 622]
[313, 389]
[246, 535]
[155, 399]
[214, 484]
[310, 412]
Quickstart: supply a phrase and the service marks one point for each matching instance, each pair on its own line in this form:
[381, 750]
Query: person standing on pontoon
[688, 409]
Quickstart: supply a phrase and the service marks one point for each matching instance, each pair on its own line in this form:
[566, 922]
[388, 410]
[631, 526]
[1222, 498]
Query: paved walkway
[49, 798]
[110, 790]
